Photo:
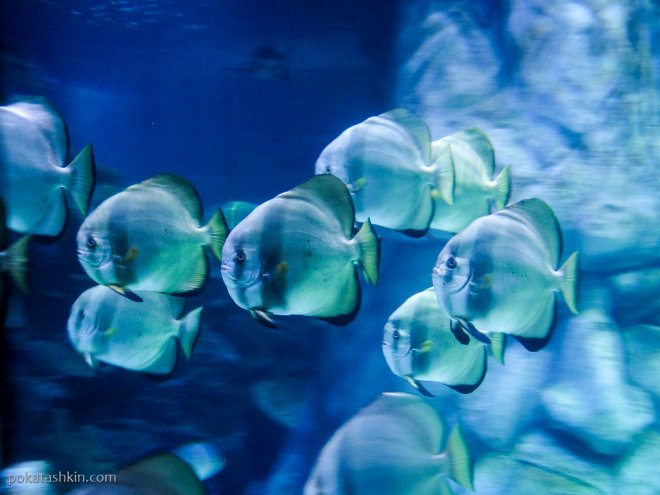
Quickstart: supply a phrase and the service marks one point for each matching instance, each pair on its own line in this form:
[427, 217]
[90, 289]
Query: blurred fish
[33, 149]
[14, 259]
[13, 478]
[392, 446]
[296, 254]
[418, 344]
[149, 237]
[140, 336]
[387, 164]
[178, 473]
[280, 399]
[475, 192]
[498, 275]
[266, 62]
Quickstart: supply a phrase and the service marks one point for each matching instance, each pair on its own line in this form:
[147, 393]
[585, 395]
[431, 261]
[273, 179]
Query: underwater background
[240, 98]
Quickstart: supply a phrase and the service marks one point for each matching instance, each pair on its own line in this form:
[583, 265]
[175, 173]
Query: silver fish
[296, 255]
[394, 446]
[499, 275]
[387, 165]
[475, 193]
[418, 344]
[149, 237]
[139, 336]
[33, 176]
[177, 473]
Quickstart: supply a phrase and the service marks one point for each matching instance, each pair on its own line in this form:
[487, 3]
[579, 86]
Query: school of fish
[304, 252]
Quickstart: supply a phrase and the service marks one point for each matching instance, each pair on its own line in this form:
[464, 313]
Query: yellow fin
[436, 194]
[281, 270]
[110, 332]
[426, 346]
[131, 254]
[358, 184]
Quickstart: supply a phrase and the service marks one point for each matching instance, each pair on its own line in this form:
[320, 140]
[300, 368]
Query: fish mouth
[451, 288]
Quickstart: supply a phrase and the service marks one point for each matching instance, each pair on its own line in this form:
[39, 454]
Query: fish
[106, 327]
[387, 164]
[475, 193]
[499, 275]
[392, 446]
[297, 254]
[13, 259]
[418, 344]
[180, 472]
[266, 62]
[148, 237]
[34, 145]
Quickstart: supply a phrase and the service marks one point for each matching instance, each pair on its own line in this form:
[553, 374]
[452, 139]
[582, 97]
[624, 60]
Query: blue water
[173, 86]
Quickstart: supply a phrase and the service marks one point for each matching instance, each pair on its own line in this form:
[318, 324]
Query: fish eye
[90, 242]
[240, 256]
[80, 315]
[451, 262]
[396, 335]
[328, 169]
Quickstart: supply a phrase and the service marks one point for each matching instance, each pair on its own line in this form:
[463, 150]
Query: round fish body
[149, 237]
[392, 446]
[418, 343]
[474, 190]
[33, 176]
[139, 336]
[294, 254]
[499, 275]
[385, 162]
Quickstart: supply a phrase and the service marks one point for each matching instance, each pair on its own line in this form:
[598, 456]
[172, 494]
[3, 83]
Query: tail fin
[236, 211]
[569, 281]
[82, 178]
[17, 260]
[502, 188]
[460, 461]
[189, 330]
[217, 229]
[444, 175]
[369, 251]
[497, 346]
[203, 458]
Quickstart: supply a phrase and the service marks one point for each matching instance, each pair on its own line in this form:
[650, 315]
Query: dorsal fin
[39, 111]
[540, 218]
[177, 187]
[415, 127]
[331, 194]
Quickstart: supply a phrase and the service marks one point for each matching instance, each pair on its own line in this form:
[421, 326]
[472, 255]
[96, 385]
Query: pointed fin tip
[414, 383]
[570, 281]
[264, 317]
[18, 261]
[502, 188]
[369, 243]
[83, 178]
[462, 469]
[218, 230]
[189, 331]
